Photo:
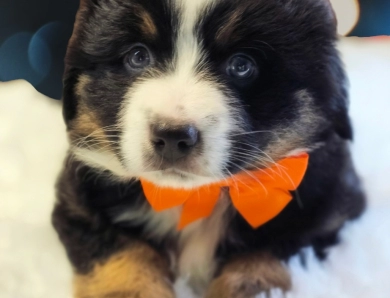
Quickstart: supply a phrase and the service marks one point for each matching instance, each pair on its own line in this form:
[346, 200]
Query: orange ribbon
[258, 195]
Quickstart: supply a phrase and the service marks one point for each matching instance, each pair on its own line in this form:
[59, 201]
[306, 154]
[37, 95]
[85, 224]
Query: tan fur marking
[246, 276]
[136, 272]
[295, 133]
[148, 27]
[226, 32]
[83, 81]
[278, 149]
[83, 3]
[86, 122]
[229, 32]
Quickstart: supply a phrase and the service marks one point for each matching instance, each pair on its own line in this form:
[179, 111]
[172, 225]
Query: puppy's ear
[85, 11]
[69, 100]
[339, 104]
[86, 3]
[73, 60]
[328, 7]
[332, 13]
[341, 120]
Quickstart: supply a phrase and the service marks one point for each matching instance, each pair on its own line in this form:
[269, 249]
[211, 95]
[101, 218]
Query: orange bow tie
[258, 195]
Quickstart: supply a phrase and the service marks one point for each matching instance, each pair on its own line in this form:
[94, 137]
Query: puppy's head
[185, 92]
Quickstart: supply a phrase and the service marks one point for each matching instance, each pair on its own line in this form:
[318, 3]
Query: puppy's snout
[174, 142]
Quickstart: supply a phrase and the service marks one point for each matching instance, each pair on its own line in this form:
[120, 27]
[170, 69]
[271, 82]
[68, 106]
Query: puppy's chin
[177, 179]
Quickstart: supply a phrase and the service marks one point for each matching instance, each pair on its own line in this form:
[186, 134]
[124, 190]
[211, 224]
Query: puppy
[186, 93]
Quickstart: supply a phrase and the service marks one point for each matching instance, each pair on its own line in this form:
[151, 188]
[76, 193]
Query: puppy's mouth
[179, 175]
[173, 172]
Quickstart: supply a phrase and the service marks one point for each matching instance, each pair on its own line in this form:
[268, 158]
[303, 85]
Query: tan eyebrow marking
[86, 123]
[225, 32]
[148, 27]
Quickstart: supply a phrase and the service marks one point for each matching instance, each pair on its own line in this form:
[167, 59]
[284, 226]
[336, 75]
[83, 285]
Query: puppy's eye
[138, 58]
[241, 67]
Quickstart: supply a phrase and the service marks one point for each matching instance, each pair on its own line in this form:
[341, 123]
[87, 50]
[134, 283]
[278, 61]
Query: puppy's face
[185, 92]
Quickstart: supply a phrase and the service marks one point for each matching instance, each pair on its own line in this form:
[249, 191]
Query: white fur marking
[189, 52]
[102, 160]
[157, 225]
[198, 244]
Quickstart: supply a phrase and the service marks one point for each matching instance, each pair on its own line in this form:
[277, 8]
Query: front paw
[247, 276]
[135, 273]
[134, 288]
[137, 293]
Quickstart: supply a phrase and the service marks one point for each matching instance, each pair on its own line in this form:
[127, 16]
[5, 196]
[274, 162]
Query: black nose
[173, 143]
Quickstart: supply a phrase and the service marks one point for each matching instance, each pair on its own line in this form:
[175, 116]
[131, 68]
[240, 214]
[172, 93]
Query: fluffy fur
[295, 101]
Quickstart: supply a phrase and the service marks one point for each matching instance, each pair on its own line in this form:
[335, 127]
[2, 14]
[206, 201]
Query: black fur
[293, 43]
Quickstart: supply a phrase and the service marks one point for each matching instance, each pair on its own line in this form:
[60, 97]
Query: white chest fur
[198, 242]
[194, 259]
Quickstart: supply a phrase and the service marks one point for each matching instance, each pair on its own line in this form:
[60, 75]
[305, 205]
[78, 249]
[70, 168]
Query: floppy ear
[73, 60]
[339, 104]
[332, 18]
[341, 121]
[81, 22]
[85, 3]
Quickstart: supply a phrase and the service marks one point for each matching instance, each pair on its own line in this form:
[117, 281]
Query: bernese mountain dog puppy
[185, 93]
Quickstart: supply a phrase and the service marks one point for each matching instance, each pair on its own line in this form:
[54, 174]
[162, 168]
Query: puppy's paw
[135, 273]
[139, 287]
[136, 293]
[247, 276]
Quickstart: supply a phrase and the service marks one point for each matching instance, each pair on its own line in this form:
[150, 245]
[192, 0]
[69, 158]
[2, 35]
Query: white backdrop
[32, 146]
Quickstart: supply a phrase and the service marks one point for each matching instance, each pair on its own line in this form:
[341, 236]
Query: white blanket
[32, 146]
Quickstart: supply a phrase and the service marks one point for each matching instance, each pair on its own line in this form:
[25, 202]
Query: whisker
[233, 179]
[255, 167]
[260, 159]
[253, 132]
[99, 130]
[257, 180]
[247, 172]
[258, 149]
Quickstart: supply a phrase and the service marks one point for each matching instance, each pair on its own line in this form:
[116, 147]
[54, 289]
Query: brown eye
[138, 58]
[241, 67]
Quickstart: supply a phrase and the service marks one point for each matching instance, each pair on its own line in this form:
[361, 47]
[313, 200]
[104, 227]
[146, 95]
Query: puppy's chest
[193, 251]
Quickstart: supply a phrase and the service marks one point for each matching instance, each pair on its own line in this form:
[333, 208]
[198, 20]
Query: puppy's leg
[246, 276]
[108, 263]
[134, 272]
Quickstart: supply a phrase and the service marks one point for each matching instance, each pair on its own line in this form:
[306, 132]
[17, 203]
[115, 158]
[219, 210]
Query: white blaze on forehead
[188, 46]
[191, 10]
